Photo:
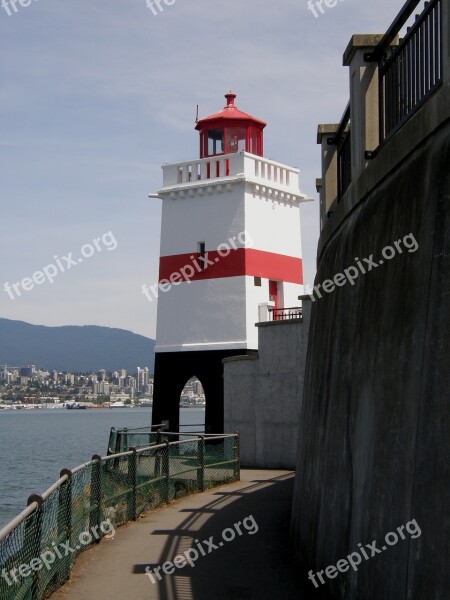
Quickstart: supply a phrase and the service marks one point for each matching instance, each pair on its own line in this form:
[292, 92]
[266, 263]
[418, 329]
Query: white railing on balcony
[255, 168]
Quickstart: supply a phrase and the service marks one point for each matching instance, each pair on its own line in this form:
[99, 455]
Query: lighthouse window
[235, 139]
[202, 254]
[215, 142]
[255, 141]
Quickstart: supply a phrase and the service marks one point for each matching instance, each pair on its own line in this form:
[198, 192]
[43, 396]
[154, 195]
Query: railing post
[118, 441]
[446, 41]
[65, 519]
[166, 471]
[264, 310]
[329, 180]
[132, 482]
[364, 100]
[125, 440]
[201, 464]
[33, 536]
[238, 163]
[158, 436]
[236, 458]
[112, 437]
[96, 493]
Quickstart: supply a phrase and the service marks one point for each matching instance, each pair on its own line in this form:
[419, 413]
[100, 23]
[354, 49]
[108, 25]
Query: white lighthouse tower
[230, 247]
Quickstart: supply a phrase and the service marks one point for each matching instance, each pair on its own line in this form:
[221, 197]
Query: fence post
[166, 471]
[236, 458]
[112, 437]
[33, 539]
[201, 464]
[329, 180]
[132, 482]
[65, 520]
[118, 441]
[96, 492]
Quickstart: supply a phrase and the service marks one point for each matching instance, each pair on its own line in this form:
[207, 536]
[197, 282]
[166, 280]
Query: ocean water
[36, 444]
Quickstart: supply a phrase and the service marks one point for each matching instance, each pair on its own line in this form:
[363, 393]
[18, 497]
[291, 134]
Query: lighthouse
[230, 253]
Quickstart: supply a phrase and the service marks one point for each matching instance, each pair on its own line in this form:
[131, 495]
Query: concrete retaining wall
[374, 441]
[263, 392]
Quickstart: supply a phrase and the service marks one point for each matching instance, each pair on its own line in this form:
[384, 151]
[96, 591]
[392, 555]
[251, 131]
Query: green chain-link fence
[38, 548]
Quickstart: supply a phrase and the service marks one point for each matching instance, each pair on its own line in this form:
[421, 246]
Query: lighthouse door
[273, 292]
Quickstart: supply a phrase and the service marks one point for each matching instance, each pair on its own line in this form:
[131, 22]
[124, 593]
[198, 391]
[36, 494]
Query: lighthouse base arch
[173, 369]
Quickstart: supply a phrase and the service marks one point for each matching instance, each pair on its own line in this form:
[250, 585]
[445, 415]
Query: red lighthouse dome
[230, 130]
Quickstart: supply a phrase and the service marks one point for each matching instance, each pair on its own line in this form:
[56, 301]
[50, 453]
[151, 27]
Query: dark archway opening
[192, 407]
[174, 369]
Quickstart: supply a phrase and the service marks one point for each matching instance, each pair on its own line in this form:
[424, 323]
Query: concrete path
[255, 565]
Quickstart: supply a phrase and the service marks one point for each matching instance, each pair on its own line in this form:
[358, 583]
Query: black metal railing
[342, 141]
[412, 71]
[285, 314]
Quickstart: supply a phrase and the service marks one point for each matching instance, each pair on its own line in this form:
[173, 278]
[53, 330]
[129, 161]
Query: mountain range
[73, 348]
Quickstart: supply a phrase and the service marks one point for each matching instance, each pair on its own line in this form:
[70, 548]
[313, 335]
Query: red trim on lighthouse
[229, 113]
[273, 266]
[226, 129]
[239, 262]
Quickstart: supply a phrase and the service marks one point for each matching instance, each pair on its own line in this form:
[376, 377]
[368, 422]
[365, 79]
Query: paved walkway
[256, 565]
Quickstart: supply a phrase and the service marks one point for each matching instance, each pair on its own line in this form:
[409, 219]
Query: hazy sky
[97, 94]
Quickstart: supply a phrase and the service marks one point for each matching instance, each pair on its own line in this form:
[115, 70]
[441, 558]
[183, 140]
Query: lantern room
[230, 130]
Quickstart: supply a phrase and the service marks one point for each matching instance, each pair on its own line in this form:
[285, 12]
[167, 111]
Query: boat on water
[118, 404]
[76, 406]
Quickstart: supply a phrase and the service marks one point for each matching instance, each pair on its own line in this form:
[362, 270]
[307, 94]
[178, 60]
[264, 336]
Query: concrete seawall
[374, 423]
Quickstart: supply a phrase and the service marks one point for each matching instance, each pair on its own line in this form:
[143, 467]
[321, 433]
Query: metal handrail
[388, 60]
[341, 140]
[18, 520]
[138, 428]
[406, 11]
[272, 309]
[54, 487]
[403, 87]
[338, 136]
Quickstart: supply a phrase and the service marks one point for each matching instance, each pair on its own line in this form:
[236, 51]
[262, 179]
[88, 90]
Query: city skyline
[30, 385]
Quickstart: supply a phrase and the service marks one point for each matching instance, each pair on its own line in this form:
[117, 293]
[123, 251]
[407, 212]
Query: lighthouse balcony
[285, 314]
[241, 166]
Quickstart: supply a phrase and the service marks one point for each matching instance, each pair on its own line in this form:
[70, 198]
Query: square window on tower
[201, 249]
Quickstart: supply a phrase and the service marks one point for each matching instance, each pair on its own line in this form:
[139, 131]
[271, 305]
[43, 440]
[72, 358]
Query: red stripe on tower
[238, 263]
